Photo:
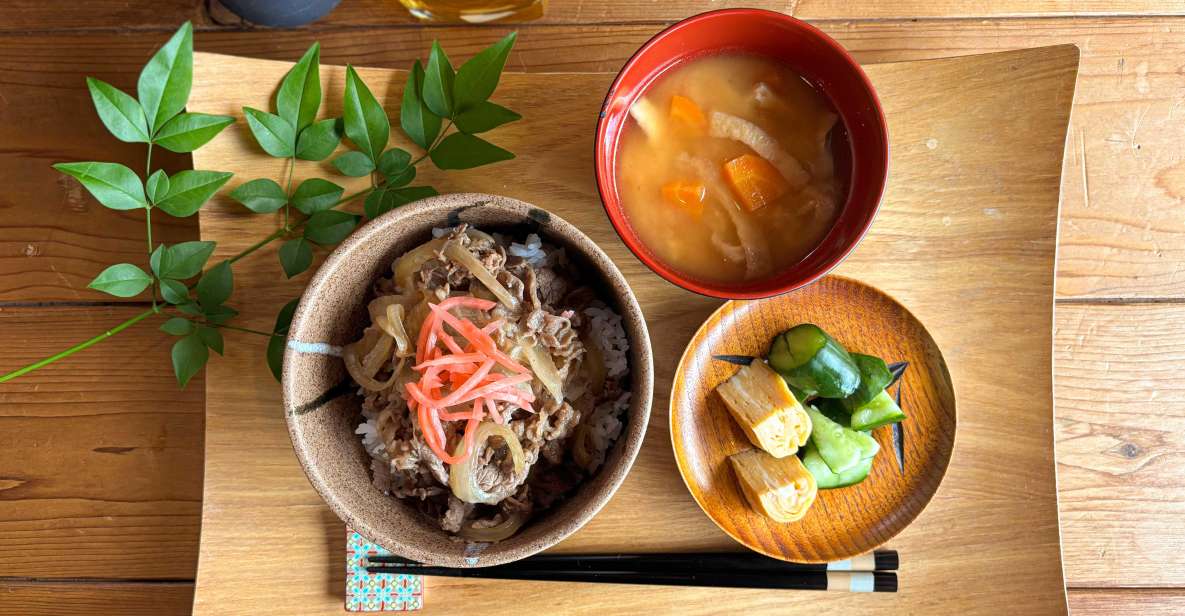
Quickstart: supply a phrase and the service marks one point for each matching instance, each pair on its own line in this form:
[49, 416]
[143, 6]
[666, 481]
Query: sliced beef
[551, 286]
[455, 515]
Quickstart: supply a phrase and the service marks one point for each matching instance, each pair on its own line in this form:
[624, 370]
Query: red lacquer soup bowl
[860, 142]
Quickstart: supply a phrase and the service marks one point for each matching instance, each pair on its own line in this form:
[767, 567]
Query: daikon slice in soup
[725, 169]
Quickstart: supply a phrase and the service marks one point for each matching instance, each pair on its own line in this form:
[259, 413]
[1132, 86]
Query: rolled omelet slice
[779, 488]
[763, 406]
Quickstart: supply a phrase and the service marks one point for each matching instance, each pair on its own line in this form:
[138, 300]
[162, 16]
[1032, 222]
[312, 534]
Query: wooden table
[100, 475]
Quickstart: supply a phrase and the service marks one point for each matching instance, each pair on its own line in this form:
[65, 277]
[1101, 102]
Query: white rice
[605, 426]
[371, 440]
[532, 251]
[609, 335]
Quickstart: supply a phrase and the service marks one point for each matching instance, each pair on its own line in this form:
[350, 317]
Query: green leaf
[164, 82]
[299, 95]
[210, 337]
[275, 135]
[354, 164]
[189, 190]
[394, 162]
[316, 194]
[384, 200]
[219, 314]
[296, 256]
[123, 280]
[461, 151]
[154, 259]
[262, 196]
[478, 78]
[485, 116]
[275, 346]
[437, 91]
[366, 122]
[177, 326]
[403, 178]
[174, 292]
[319, 140]
[185, 260]
[113, 184]
[420, 124]
[158, 185]
[329, 227]
[215, 286]
[187, 132]
[189, 355]
[191, 308]
[284, 317]
[374, 205]
[120, 113]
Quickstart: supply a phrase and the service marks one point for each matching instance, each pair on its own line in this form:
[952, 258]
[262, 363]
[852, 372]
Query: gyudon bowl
[387, 458]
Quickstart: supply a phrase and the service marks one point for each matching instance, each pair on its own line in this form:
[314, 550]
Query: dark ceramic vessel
[322, 410]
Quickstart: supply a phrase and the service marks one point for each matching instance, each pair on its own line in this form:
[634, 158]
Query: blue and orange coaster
[377, 592]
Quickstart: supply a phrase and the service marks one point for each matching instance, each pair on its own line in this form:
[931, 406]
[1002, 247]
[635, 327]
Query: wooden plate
[843, 522]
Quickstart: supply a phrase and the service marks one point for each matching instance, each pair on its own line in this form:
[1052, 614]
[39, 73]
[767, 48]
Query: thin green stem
[435, 143]
[278, 233]
[148, 163]
[241, 329]
[291, 175]
[148, 217]
[80, 346]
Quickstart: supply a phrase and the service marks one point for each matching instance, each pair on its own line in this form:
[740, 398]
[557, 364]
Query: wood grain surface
[1121, 236]
[211, 14]
[1122, 240]
[842, 523]
[254, 490]
[100, 471]
[1121, 441]
[32, 598]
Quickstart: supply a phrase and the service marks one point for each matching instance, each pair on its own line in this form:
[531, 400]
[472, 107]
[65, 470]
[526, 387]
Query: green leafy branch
[436, 99]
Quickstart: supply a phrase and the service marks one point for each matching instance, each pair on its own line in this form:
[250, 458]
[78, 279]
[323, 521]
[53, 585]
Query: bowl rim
[641, 373]
[616, 213]
[686, 357]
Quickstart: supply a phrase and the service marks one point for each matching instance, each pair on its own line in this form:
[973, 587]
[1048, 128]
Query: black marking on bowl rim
[740, 360]
[539, 216]
[333, 393]
[454, 215]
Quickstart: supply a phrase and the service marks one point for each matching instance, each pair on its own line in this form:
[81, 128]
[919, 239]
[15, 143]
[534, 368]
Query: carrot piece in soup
[687, 196]
[755, 181]
[685, 111]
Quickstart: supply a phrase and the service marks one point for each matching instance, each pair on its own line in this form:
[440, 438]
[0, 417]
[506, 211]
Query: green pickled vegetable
[814, 362]
[880, 411]
[867, 444]
[837, 444]
[874, 378]
[827, 479]
[834, 410]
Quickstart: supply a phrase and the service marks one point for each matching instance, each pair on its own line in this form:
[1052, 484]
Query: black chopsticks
[868, 573]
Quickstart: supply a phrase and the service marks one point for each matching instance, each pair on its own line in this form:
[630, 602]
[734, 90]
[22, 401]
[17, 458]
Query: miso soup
[725, 169]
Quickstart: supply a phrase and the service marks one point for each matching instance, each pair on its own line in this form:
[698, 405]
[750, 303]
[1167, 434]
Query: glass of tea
[475, 11]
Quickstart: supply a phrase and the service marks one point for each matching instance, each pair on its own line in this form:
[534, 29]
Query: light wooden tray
[966, 240]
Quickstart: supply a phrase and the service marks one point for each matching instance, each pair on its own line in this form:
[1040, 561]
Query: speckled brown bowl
[322, 410]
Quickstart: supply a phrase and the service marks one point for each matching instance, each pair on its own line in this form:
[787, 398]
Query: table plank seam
[413, 26]
[95, 580]
[1118, 301]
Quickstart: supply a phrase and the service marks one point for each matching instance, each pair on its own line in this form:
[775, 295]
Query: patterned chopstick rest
[377, 592]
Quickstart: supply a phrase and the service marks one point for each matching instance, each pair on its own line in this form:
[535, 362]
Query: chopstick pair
[868, 573]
